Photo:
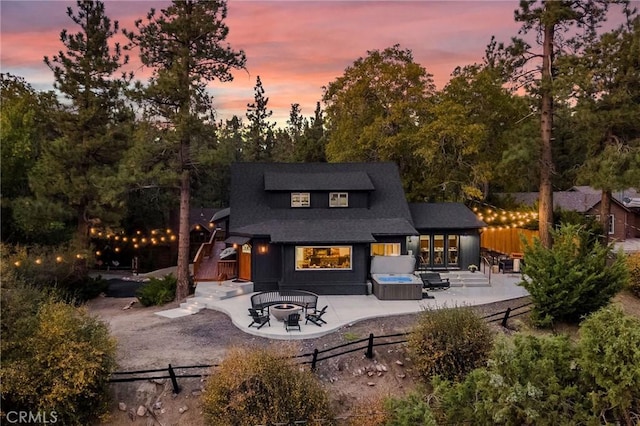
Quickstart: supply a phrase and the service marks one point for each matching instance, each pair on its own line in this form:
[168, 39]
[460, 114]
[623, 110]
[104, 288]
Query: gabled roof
[573, 200]
[322, 181]
[201, 216]
[387, 214]
[430, 216]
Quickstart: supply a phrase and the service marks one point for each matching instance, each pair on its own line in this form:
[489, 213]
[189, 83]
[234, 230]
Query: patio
[344, 310]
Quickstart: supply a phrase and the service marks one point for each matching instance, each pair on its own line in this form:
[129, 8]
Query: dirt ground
[148, 341]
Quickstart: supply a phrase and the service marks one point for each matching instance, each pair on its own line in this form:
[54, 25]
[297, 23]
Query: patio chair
[259, 319]
[292, 321]
[316, 317]
[433, 281]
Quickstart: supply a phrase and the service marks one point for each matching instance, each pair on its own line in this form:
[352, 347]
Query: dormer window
[300, 199]
[338, 199]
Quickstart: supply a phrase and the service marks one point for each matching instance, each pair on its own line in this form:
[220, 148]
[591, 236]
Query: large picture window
[300, 199]
[385, 249]
[338, 199]
[327, 258]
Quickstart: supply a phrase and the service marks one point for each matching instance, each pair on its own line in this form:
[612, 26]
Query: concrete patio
[344, 310]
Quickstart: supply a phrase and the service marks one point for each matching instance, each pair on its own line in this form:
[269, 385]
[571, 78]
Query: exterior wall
[265, 265]
[468, 249]
[318, 200]
[351, 281]
[622, 220]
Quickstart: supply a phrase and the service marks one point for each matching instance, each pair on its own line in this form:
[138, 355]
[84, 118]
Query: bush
[158, 291]
[449, 342]
[573, 278]
[610, 358]
[633, 263]
[55, 357]
[411, 410]
[262, 387]
[550, 380]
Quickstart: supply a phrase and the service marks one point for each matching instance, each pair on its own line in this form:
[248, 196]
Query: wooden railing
[228, 268]
[203, 252]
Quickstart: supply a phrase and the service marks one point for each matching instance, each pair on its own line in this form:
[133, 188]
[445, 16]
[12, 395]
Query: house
[624, 219]
[315, 226]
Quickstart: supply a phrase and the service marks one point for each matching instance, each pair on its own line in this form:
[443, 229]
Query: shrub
[528, 380]
[449, 342]
[59, 359]
[571, 279]
[262, 387]
[610, 358]
[410, 410]
[158, 291]
[633, 263]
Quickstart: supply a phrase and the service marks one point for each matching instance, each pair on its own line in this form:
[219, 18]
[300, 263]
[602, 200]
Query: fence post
[506, 317]
[314, 360]
[174, 381]
[369, 353]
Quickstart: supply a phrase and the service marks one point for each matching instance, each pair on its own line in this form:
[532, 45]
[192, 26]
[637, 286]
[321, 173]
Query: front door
[244, 263]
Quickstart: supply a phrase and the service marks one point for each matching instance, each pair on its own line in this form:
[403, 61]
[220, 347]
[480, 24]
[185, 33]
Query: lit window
[385, 249]
[338, 199]
[315, 258]
[300, 199]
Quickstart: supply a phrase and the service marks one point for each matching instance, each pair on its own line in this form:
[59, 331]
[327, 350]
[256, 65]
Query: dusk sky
[296, 47]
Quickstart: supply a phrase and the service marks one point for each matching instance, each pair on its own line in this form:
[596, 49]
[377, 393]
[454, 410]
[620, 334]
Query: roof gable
[317, 181]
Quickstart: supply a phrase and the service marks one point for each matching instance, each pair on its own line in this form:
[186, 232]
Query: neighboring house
[624, 219]
[315, 226]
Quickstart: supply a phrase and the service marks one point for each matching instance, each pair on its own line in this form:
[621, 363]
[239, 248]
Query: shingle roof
[444, 216]
[388, 212]
[578, 199]
[327, 181]
[201, 216]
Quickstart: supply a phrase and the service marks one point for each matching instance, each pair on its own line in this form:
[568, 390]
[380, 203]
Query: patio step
[467, 279]
[223, 290]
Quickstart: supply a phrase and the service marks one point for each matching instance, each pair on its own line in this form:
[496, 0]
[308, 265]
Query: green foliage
[552, 381]
[262, 387]
[158, 291]
[410, 410]
[55, 357]
[527, 381]
[573, 278]
[610, 359]
[449, 342]
[633, 263]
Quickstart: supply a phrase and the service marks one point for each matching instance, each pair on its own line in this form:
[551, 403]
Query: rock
[384, 367]
[157, 405]
[400, 363]
[401, 376]
[159, 381]
[369, 373]
[371, 384]
[183, 409]
[129, 305]
[196, 392]
[379, 373]
[378, 368]
[132, 414]
[122, 406]
[142, 410]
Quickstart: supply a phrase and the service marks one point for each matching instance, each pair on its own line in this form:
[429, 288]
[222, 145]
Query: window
[318, 258]
[611, 225]
[338, 199]
[300, 199]
[438, 249]
[453, 250]
[385, 249]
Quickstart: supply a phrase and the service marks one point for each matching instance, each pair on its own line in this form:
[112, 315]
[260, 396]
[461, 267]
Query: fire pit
[280, 312]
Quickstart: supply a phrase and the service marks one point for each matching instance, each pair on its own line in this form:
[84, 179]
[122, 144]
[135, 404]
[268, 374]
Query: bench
[302, 298]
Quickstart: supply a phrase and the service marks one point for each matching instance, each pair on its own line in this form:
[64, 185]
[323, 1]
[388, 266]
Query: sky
[296, 47]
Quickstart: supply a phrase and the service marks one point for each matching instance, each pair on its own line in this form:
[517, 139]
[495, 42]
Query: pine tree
[184, 45]
[260, 137]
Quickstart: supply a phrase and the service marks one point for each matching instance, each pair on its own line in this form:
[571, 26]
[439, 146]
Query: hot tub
[397, 286]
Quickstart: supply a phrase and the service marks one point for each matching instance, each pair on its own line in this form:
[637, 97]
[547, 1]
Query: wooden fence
[506, 240]
[367, 344]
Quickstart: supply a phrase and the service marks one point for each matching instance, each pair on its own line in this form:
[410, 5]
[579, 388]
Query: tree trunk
[182, 290]
[605, 211]
[545, 202]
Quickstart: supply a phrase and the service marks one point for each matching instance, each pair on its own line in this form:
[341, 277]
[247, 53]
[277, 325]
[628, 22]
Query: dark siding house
[315, 226]
[449, 235]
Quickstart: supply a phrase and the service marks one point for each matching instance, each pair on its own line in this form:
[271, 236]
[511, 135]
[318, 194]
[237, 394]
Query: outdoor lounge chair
[259, 319]
[292, 321]
[433, 281]
[316, 317]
